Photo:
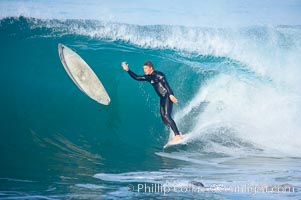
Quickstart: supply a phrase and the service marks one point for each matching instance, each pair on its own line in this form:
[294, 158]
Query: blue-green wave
[237, 92]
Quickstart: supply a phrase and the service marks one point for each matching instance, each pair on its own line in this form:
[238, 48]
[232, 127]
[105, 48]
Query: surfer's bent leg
[165, 111]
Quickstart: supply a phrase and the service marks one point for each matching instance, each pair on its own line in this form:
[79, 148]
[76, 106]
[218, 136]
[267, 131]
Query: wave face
[238, 91]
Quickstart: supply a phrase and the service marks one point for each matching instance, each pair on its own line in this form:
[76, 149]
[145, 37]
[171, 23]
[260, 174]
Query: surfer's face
[147, 70]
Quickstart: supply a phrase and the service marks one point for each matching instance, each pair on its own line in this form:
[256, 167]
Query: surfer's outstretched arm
[125, 66]
[136, 77]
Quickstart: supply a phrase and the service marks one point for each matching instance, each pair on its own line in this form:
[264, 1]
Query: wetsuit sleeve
[136, 77]
[166, 85]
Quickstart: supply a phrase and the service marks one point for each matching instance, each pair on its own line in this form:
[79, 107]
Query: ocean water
[239, 99]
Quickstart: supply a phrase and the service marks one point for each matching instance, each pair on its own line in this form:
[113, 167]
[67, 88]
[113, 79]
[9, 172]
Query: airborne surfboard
[82, 75]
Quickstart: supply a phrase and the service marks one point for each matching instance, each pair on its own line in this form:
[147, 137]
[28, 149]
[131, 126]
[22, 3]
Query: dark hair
[149, 64]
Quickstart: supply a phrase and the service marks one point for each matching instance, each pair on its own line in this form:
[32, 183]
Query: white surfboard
[182, 141]
[82, 75]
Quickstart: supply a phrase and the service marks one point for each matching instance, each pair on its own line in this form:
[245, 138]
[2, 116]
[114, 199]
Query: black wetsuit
[161, 86]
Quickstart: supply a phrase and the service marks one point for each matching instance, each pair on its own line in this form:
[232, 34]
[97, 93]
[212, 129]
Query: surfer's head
[148, 67]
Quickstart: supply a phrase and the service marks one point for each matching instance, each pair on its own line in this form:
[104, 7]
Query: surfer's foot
[176, 138]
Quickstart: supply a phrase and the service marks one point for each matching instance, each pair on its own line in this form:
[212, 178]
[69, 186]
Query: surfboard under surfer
[161, 86]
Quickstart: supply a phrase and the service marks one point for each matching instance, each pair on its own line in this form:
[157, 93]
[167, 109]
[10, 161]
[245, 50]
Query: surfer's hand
[173, 98]
[125, 66]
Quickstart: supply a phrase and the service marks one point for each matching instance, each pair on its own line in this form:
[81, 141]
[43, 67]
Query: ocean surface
[239, 99]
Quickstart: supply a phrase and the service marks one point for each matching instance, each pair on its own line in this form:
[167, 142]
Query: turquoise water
[239, 98]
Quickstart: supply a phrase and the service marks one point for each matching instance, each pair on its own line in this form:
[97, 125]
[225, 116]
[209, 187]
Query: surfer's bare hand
[173, 98]
[125, 66]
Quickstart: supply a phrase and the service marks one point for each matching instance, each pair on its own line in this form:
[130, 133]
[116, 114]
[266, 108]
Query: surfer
[161, 86]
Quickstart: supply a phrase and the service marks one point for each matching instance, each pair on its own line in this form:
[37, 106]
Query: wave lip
[210, 14]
